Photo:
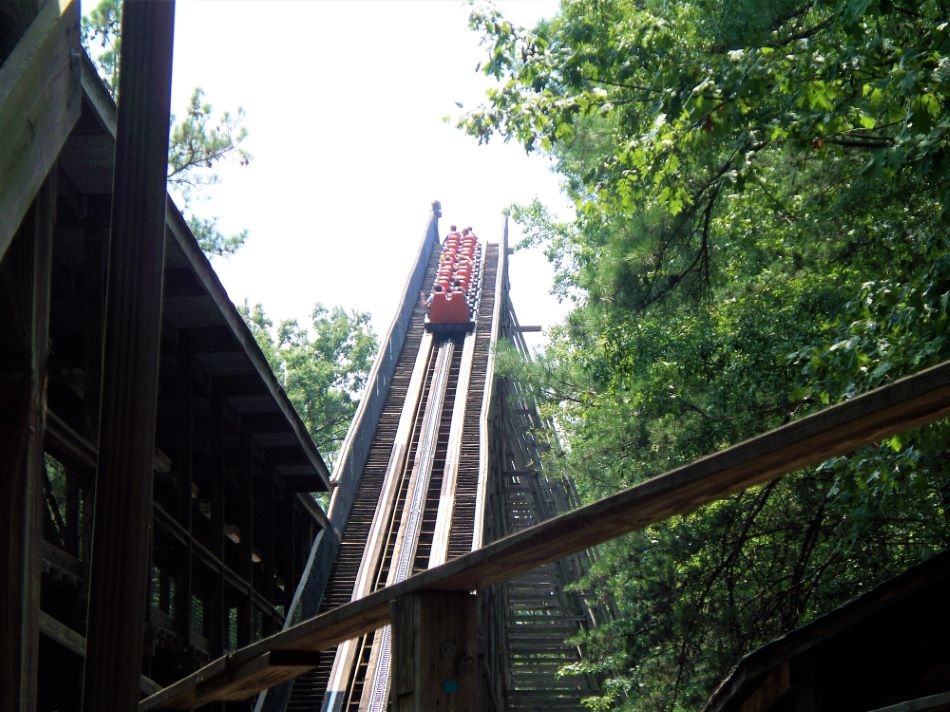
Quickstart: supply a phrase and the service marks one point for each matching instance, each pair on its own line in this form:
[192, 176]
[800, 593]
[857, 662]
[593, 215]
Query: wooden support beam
[265, 537]
[95, 246]
[183, 469]
[123, 509]
[895, 408]
[245, 567]
[65, 636]
[24, 322]
[216, 611]
[39, 104]
[435, 651]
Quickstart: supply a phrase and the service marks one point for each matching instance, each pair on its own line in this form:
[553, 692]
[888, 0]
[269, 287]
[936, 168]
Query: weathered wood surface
[905, 404]
[487, 415]
[435, 649]
[439, 552]
[39, 105]
[123, 507]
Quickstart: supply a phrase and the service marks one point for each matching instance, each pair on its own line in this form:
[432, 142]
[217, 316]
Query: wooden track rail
[838, 430]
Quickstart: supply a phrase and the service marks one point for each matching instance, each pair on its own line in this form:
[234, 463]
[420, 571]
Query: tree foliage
[196, 143]
[761, 193]
[323, 366]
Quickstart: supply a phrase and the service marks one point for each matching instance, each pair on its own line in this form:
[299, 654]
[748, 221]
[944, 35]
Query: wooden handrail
[838, 430]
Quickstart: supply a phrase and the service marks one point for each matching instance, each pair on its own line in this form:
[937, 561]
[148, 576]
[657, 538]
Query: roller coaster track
[422, 500]
[521, 562]
[415, 507]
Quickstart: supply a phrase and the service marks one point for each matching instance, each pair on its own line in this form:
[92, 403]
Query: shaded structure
[232, 520]
[884, 651]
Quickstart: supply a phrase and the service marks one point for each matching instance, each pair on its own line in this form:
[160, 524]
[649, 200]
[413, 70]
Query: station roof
[196, 304]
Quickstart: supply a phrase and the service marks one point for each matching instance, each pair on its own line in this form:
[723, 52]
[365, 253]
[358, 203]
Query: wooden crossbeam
[900, 406]
[39, 104]
[65, 636]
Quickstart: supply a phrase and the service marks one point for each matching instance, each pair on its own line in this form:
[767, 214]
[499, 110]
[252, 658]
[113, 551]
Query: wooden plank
[275, 666]
[123, 507]
[488, 392]
[24, 321]
[39, 105]
[245, 564]
[68, 445]
[184, 471]
[439, 551]
[900, 406]
[775, 684]
[216, 610]
[313, 509]
[435, 646]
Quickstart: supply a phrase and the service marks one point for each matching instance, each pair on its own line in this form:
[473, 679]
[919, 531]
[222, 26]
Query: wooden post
[435, 652]
[218, 610]
[123, 509]
[268, 546]
[24, 321]
[245, 567]
[184, 445]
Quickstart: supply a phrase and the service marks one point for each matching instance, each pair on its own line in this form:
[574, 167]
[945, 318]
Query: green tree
[323, 366]
[761, 194]
[196, 143]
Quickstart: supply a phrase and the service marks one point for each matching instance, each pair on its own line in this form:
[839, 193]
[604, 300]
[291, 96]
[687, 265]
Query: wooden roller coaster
[517, 536]
[422, 500]
[434, 581]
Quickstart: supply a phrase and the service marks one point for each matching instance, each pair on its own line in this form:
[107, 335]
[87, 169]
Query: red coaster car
[449, 308]
[451, 301]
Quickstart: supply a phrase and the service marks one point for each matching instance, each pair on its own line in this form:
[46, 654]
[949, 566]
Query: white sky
[345, 104]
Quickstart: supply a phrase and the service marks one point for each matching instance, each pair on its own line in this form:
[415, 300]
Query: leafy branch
[197, 143]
